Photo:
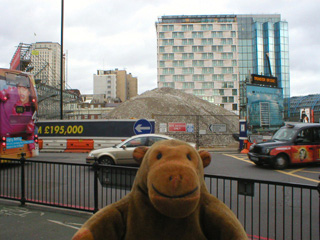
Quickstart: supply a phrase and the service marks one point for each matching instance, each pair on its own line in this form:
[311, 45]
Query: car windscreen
[284, 134]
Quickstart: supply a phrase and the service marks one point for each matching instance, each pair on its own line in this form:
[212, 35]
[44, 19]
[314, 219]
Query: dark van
[292, 144]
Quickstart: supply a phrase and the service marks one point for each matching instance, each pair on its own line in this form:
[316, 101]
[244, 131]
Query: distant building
[309, 103]
[114, 84]
[46, 63]
[43, 60]
[211, 56]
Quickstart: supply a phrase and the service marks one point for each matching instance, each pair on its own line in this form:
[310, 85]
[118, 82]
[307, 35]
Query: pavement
[38, 222]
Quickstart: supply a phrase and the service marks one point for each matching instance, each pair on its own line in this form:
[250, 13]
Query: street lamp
[61, 62]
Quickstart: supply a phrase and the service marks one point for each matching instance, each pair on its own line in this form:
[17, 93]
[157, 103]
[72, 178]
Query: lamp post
[61, 62]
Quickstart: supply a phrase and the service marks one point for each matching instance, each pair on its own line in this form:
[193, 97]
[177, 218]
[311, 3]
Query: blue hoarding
[264, 108]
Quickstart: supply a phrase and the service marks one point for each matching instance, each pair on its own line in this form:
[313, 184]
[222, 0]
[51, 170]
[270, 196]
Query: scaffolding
[47, 86]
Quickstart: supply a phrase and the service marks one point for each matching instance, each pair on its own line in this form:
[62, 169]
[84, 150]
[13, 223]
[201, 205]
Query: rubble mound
[167, 105]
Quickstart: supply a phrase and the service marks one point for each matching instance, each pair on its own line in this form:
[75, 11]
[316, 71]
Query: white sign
[218, 128]
[163, 127]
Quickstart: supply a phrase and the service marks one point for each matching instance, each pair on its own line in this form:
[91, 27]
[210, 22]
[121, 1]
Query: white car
[122, 152]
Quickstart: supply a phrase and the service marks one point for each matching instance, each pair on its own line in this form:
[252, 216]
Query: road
[226, 164]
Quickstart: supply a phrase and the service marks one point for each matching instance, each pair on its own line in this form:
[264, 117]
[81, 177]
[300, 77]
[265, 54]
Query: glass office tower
[213, 56]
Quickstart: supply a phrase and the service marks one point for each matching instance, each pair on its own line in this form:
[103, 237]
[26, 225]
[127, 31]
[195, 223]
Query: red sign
[15, 62]
[177, 127]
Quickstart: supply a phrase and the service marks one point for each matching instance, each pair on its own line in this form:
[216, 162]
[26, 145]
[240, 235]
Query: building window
[227, 85]
[234, 92]
[178, 35]
[166, 28]
[168, 42]
[161, 35]
[197, 63]
[197, 48]
[187, 85]
[216, 34]
[168, 84]
[188, 27]
[207, 70]
[227, 70]
[207, 55]
[217, 63]
[198, 92]
[178, 63]
[187, 41]
[226, 41]
[187, 55]
[168, 56]
[162, 78]
[207, 41]
[198, 77]
[226, 26]
[235, 107]
[161, 49]
[217, 48]
[178, 78]
[217, 77]
[206, 27]
[208, 85]
[227, 55]
[217, 92]
[178, 49]
[188, 70]
[162, 63]
[168, 71]
[197, 34]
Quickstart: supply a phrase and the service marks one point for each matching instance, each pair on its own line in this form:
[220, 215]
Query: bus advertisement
[18, 109]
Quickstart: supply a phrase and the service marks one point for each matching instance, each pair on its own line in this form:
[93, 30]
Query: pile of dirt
[167, 105]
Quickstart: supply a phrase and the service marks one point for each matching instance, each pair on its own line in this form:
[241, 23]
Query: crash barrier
[266, 209]
[79, 145]
[76, 145]
[54, 145]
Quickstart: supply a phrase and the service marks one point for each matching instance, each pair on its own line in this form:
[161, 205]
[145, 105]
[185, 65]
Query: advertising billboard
[264, 108]
[305, 115]
[264, 80]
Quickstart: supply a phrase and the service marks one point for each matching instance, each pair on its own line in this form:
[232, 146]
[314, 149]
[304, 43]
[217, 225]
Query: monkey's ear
[206, 158]
[139, 153]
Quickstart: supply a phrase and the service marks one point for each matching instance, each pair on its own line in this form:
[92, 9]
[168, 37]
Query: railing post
[95, 187]
[23, 161]
[318, 188]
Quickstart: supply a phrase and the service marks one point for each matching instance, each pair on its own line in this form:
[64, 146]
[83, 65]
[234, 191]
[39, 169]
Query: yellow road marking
[244, 160]
[280, 171]
[297, 170]
[297, 176]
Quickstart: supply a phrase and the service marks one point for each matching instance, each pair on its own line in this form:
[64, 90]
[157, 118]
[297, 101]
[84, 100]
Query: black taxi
[294, 143]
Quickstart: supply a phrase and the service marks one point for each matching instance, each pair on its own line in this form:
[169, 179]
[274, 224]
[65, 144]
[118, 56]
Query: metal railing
[267, 209]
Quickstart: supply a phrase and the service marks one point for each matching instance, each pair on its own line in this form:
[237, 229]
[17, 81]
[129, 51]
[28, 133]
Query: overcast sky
[109, 34]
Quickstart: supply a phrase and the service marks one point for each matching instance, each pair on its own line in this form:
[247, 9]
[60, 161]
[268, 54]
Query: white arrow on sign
[139, 128]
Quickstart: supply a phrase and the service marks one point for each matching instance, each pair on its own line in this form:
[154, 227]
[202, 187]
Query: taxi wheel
[106, 160]
[280, 162]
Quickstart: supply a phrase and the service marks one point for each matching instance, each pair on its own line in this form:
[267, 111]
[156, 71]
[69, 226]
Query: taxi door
[316, 146]
[304, 149]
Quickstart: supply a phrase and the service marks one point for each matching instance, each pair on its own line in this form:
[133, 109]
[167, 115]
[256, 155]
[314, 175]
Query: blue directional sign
[142, 126]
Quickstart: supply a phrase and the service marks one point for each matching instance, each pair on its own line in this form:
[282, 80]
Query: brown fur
[168, 200]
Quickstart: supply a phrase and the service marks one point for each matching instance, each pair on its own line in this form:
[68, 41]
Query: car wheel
[280, 162]
[106, 160]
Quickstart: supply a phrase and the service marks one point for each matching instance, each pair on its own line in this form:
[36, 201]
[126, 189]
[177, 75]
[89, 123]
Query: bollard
[22, 161]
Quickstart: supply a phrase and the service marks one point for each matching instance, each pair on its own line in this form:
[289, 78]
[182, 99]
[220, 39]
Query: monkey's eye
[189, 157]
[159, 156]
